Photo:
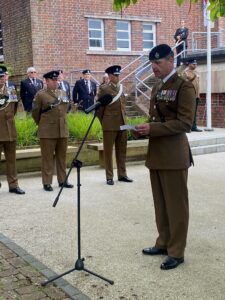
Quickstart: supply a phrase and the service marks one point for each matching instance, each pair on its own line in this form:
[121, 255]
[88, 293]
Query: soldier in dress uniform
[190, 74]
[84, 91]
[172, 108]
[49, 112]
[112, 117]
[8, 106]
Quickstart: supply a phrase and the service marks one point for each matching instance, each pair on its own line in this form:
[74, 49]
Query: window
[148, 36]
[1, 40]
[96, 34]
[123, 35]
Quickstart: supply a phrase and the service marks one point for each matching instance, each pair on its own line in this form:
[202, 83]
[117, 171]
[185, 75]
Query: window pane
[147, 27]
[96, 24]
[95, 34]
[123, 44]
[147, 45]
[122, 26]
[122, 35]
[147, 36]
[95, 43]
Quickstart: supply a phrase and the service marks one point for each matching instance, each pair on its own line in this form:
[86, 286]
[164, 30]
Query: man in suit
[84, 91]
[171, 114]
[29, 88]
[49, 113]
[112, 117]
[8, 106]
[190, 74]
[63, 84]
[181, 34]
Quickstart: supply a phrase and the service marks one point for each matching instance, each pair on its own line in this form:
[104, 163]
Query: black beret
[160, 51]
[3, 69]
[51, 75]
[115, 70]
[86, 71]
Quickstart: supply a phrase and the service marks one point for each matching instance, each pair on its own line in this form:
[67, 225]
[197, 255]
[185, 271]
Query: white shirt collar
[169, 75]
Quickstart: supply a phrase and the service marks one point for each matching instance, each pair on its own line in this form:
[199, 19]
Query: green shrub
[78, 124]
[26, 132]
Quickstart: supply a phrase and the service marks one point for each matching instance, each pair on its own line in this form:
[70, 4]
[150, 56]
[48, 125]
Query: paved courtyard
[116, 223]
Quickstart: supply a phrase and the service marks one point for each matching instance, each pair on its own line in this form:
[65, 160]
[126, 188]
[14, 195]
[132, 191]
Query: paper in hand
[127, 127]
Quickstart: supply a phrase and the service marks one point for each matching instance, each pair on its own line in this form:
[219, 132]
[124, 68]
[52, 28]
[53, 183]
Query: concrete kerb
[64, 285]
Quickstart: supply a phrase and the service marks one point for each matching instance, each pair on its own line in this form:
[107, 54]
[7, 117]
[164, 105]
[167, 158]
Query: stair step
[206, 141]
[207, 149]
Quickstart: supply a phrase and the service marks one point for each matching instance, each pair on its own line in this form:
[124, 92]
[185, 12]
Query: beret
[160, 51]
[115, 70]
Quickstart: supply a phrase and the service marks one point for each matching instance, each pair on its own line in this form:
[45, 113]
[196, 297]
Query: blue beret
[160, 51]
[86, 71]
[115, 70]
[51, 75]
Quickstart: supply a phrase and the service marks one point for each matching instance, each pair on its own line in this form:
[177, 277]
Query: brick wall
[16, 24]
[54, 34]
[218, 110]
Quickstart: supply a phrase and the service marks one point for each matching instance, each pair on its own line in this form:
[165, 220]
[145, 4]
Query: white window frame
[129, 36]
[149, 31]
[102, 35]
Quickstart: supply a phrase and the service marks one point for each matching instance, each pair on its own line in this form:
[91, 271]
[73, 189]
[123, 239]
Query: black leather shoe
[66, 185]
[196, 129]
[171, 263]
[125, 179]
[16, 190]
[48, 187]
[154, 251]
[0, 184]
[110, 181]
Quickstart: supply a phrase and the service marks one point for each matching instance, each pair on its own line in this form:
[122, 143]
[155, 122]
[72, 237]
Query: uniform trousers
[9, 148]
[170, 194]
[49, 147]
[119, 138]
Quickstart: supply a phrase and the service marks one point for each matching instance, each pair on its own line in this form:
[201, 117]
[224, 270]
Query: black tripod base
[79, 266]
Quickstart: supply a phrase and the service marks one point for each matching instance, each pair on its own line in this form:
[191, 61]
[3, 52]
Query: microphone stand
[79, 264]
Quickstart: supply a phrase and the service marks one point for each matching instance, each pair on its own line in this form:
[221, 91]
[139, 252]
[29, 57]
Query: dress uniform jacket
[168, 144]
[82, 95]
[51, 124]
[49, 112]
[112, 117]
[8, 137]
[27, 92]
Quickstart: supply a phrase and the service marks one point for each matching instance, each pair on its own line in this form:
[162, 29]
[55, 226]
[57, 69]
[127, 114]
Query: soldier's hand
[143, 129]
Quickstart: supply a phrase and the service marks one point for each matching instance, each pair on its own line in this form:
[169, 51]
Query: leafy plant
[78, 124]
[26, 132]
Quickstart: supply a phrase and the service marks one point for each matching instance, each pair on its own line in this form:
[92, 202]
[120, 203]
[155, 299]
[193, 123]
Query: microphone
[103, 101]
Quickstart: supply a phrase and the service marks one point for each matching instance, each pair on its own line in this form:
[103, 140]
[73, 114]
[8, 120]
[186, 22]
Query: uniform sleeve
[185, 114]
[100, 111]
[36, 109]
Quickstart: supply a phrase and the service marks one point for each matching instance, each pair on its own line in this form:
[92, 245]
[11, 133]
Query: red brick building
[77, 34]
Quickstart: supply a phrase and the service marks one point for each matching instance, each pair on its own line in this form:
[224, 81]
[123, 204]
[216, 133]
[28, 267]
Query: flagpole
[209, 72]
